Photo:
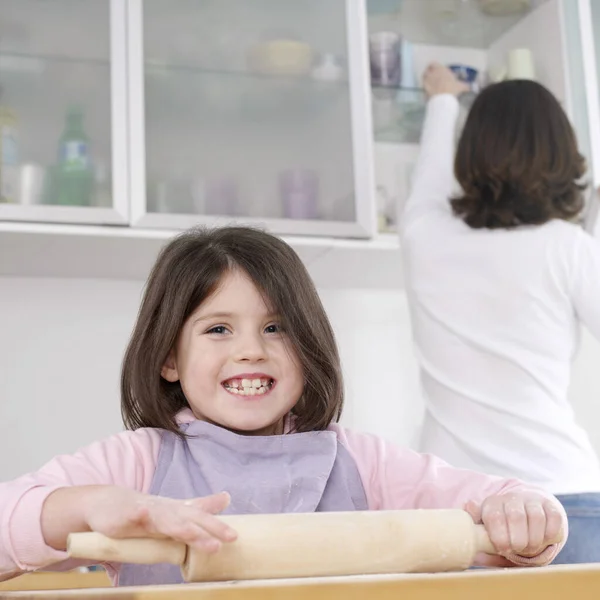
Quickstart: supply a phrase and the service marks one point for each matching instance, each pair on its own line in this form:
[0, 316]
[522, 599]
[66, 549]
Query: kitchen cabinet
[133, 119]
[266, 121]
[63, 112]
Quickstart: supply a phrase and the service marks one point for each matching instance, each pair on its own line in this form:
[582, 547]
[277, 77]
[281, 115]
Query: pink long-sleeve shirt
[392, 477]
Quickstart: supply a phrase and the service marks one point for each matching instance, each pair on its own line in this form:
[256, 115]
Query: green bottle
[74, 174]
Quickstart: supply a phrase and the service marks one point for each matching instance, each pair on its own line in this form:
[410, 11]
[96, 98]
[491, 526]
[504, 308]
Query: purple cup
[299, 192]
[384, 58]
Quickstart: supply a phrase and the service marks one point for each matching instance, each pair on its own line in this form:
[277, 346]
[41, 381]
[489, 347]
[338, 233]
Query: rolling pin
[310, 545]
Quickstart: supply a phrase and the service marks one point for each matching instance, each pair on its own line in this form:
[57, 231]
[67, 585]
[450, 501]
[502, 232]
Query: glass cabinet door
[63, 111]
[254, 111]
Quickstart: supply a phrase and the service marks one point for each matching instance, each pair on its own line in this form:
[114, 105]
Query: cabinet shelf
[204, 93]
[122, 252]
[20, 62]
[158, 68]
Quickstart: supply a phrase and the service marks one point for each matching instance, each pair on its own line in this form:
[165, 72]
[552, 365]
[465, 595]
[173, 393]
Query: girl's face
[233, 363]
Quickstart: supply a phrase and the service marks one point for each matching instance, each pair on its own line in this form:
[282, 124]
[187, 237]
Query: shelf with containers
[242, 111]
[549, 40]
[475, 34]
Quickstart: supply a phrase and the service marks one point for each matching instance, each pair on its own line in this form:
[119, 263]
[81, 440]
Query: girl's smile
[249, 385]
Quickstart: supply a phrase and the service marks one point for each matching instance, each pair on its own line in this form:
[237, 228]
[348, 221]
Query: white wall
[62, 341]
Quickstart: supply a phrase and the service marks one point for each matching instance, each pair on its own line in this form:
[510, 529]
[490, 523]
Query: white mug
[520, 64]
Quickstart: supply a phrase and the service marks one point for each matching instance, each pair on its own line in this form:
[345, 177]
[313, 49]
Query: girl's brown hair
[517, 159]
[187, 271]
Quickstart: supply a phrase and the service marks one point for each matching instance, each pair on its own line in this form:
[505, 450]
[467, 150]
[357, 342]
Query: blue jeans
[583, 544]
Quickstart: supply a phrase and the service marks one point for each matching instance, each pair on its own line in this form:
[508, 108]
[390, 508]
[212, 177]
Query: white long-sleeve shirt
[495, 318]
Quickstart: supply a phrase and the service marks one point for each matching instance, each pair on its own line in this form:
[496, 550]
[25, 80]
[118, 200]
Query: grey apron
[298, 472]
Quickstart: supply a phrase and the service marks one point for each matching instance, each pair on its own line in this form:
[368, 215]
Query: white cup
[31, 183]
[520, 64]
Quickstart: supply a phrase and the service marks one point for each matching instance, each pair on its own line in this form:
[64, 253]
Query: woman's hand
[524, 524]
[439, 79]
[123, 513]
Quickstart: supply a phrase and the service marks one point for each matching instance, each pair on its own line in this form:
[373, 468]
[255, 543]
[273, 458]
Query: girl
[499, 280]
[231, 389]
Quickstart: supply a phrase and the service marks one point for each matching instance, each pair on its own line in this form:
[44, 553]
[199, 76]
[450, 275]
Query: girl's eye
[218, 329]
[274, 328]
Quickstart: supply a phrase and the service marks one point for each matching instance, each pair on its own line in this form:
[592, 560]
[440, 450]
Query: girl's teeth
[249, 387]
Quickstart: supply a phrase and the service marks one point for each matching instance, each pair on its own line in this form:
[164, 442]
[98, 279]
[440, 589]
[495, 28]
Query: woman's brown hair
[517, 160]
[187, 271]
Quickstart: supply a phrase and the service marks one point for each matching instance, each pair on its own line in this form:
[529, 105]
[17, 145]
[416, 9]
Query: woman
[499, 277]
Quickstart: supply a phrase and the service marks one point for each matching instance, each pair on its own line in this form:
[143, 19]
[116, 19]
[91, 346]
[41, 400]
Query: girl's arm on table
[39, 509]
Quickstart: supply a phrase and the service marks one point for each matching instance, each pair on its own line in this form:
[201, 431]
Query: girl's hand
[122, 513]
[438, 79]
[524, 524]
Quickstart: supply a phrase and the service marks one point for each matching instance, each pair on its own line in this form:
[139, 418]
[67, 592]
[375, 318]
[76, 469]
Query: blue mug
[467, 74]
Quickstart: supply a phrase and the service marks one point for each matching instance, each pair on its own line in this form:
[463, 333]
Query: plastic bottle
[74, 174]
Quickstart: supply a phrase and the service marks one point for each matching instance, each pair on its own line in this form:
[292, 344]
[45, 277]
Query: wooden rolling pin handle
[146, 551]
[482, 541]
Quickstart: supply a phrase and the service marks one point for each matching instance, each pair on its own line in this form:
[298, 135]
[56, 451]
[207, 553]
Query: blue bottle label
[74, 156]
